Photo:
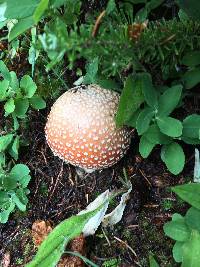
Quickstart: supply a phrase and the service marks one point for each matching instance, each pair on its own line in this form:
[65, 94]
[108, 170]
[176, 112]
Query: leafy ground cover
[148, 51]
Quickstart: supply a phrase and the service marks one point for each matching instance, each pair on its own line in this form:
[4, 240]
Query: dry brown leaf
[76, 245]
[40, 230]
[6, 260]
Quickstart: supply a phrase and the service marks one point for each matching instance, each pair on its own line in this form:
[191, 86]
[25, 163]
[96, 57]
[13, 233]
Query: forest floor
[57, 192]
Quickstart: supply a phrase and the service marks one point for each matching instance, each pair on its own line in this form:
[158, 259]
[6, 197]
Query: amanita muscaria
[81, 128]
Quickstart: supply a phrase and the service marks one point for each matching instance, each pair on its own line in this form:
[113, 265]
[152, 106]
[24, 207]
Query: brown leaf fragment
[40, 230]
[76, 245]
[6, 260]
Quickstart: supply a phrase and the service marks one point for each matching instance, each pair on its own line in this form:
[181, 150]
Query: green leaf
[130, 100]
[154, 135]
[169, 100]
[53, 246]
[9, 106]
[41, 8]
[152, 262]
[4, 90]
[132, 121]
[4, 197]
[191, 251]
[191, 8]
[8, 183]
[189, 193]
[145, 147]
[17, 9]
[19, 171]
[191, 126]
[91, 71]
[170, 126]
[191, 78]
[149, 91]
[37, 102]
[192, 218]
[5, 141]
[18, 203]
[174, 158]
[14, 83]
[177, 230]
[178, 251]
[20, 27]
[144, 119]
[110, 6]
[191, 59]
[28, 86]
[190, 141]
[5, 214]
[4, 71]
[13, 151]
[21, 106]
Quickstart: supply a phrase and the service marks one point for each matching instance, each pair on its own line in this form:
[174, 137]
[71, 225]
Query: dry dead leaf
[6, 260]
[40, 230]
[76, 245]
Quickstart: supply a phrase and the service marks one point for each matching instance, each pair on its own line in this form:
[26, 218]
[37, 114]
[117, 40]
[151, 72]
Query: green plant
[111, 263]
[185, 230]
[153, 121]
[16, 97]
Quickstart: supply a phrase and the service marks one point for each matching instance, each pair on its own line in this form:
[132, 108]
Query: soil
[57, 192]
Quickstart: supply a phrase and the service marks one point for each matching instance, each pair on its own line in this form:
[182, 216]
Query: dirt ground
[56, 192]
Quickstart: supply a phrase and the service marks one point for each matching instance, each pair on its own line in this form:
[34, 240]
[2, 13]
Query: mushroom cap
[81, 128]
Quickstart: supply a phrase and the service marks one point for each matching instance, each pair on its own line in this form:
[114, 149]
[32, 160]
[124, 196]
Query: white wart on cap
[81, 128]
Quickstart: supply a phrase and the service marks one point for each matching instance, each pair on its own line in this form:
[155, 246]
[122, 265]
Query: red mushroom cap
[81, 128]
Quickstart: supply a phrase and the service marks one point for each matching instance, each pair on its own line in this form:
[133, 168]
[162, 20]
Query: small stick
[97, 24]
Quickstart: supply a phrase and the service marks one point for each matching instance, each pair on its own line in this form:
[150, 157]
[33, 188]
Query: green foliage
[16, 97]
[13, 190]
[186, 230]
[54, 245]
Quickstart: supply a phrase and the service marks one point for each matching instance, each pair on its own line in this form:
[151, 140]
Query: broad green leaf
[5, 214]
[144, 119]
[39, 11]
[57, 3]
[14, 83]
[178, 217]
[191, 126]
[178, 251]
[13, 151]
[170, 126]
[8, 183]
[191, 59]
[18, 9]
[189, 193]
[154, 135]
[5, 140]
[173, 156]
[20, 27]
[132, 121]
[21, 106]
[191, 251]
[37, 102]
[53, 246]
[169, 100]
[4, 197]
[110, 6]
[28, 86]
[4, 72]
[15, 122]
[191, 78]
[3, 90]
[152, 262]
[9, 106]
[192, 219]
[145, 147]
[190, 141]
[149, 91]
[2, 160]
[191, 7]
[131, 98]
[18, 203]
[177, 230]
[19, 171]
[24, 181]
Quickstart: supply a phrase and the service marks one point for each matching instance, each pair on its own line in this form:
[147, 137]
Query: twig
[97, 24]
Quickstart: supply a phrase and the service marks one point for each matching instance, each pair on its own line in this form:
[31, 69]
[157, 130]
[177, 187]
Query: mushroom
[81, 128]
